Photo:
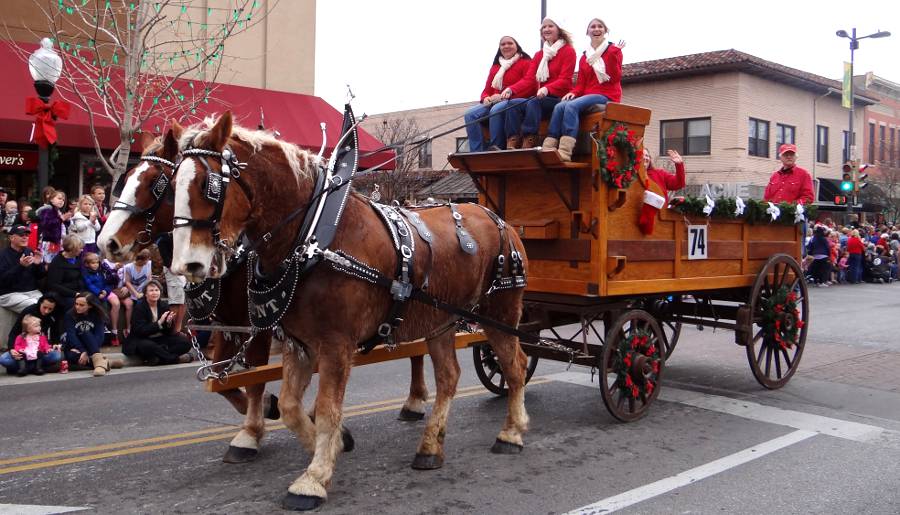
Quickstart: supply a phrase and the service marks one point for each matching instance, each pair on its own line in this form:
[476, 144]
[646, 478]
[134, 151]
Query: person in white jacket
[85, 224]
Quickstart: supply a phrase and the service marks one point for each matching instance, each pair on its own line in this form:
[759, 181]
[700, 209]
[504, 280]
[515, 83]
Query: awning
[296, 117]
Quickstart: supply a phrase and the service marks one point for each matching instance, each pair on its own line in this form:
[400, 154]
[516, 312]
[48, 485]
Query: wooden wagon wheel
[671, 330]
[631, 365]
[773, 357]
[489, 372]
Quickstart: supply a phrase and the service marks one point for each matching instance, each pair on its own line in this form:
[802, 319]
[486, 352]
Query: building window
[871, 143]
[883, 144]
[784, 134]
[758, 141]
[425, 155]
[462, 144]
[821, 144]
[892, 157]
[690, 137]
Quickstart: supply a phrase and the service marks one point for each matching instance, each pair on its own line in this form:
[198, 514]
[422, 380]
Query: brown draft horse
[126, 231]
[331, 312]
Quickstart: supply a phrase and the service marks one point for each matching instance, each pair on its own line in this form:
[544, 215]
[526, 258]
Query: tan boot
[512, 142]
[116, 363]
[566, 146]
[100, 363]
[529, 141]
[550, 143]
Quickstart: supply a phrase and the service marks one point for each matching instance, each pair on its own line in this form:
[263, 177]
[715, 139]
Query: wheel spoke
[631, 404]
[759, 355]
[778, 364]
[492, 374]
[502, 382]
[787, 359]
[768, 359]
[756, 338]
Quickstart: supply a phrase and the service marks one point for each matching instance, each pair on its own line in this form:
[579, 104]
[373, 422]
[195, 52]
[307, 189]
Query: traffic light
[861, 177]
[840, 200]
[847, 184]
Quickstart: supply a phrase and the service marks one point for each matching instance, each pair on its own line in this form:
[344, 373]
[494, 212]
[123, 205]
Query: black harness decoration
[465, 239]
[160, 190]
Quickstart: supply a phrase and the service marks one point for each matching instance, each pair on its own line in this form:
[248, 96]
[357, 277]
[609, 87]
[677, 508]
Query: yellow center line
[177, 440]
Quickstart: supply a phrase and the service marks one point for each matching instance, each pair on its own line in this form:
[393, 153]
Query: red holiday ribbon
[45, 116]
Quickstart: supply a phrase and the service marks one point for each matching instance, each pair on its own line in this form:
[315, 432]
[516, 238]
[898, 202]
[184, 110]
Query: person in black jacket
[818, 248]
[152, 336]
[85, 324]
[64, 273]
[46, 310]
[20, 271]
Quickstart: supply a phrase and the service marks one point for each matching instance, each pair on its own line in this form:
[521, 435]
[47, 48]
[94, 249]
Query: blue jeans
[855, 271]
[528, 120]
[567, 115]
[475, 119]
[11, 365]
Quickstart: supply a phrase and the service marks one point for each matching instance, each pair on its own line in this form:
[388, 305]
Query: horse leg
[245, 445]
[430, 454]
[297, 369]
[513, 362]
[414, 407]
[309, 491]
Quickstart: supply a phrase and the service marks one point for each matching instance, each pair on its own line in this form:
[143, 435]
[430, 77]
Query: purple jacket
[50, 225]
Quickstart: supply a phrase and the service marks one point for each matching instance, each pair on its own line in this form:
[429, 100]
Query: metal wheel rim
[490, 373]
[772, 366]
[620, 406]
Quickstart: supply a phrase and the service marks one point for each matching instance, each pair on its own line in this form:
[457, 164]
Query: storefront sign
[18, 159]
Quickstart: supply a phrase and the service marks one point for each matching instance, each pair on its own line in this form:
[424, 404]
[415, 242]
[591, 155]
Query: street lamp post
[45, 67]
[851, 138]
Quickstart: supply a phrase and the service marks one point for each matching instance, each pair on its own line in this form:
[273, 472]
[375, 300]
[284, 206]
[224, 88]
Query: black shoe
[22, 370]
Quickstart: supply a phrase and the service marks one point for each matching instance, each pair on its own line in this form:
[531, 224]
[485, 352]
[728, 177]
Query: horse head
[143, 205]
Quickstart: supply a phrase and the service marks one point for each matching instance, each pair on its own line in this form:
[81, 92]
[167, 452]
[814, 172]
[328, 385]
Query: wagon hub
[641, 367]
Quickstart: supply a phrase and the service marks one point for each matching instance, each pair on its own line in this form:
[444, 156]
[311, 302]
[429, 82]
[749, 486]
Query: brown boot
[100, 363]
[529, 141]
[566, 146]
[550, 143]
[116, 363]
[512, 142]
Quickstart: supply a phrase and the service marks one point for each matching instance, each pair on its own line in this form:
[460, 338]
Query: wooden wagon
[590, 265]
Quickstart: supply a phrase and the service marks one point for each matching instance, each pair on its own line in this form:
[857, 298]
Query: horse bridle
[160, 188]
[215, 189]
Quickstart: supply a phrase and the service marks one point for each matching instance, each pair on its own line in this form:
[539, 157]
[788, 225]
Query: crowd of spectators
[67, 300]
[851, 254]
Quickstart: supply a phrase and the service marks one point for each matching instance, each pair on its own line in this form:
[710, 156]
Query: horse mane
[300, 161]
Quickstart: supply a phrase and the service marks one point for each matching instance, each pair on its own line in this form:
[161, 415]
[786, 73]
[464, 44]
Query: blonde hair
[85, 198]
[28, 321]
[90, 257]
[72, 243]
[854, 233]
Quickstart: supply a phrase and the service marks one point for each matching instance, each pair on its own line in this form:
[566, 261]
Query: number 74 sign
[698, 241]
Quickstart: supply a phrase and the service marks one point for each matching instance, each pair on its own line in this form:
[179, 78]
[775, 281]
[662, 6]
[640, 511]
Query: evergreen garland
[754, 210]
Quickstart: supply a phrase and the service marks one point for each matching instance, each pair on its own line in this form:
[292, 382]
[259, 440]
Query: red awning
[296, 117]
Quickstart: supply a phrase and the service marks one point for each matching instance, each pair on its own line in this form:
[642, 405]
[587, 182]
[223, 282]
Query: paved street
[151, 441]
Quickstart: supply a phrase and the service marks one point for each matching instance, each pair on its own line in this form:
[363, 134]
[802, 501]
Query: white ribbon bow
[710, 205]
[798, 216]
[740, 206]
[773, 211]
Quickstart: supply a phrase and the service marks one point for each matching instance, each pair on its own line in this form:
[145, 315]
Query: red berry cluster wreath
[781, 318]
[637, 365]
[617, 152]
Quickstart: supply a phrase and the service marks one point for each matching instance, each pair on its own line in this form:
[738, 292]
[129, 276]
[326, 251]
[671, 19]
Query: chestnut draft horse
[331, 312]
[140, 214]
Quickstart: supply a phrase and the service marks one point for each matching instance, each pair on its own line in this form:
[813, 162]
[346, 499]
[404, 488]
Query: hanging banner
[848, 76]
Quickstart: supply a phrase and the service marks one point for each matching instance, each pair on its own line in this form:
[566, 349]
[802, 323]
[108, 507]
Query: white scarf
[505, 64]
[543, 70]
[595, 59]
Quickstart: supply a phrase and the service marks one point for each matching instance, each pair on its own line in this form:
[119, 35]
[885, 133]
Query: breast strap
[466, 242]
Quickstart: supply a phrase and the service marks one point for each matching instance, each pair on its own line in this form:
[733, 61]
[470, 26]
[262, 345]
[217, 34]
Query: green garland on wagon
[637, 346]
[754, 210]
[617, 153]
[781, 318]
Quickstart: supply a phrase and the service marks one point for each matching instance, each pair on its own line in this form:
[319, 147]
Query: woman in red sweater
[511, 63]
[855, 248]
[599, 81]
[549, 78]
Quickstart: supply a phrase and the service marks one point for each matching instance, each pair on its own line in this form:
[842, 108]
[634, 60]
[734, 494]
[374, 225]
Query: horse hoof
[408, 415]
[240, 455]
[347, 438]
[427, 462]
[273, 413]
[297, 502]
[501, 447]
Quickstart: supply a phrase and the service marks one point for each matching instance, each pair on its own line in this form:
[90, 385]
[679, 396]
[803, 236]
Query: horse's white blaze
[117, 218]
[183, 252]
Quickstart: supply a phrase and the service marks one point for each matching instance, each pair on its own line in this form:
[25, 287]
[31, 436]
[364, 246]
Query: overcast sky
[405, 54]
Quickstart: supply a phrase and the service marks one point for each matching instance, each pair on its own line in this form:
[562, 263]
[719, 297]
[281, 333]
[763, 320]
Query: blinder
[160, 191]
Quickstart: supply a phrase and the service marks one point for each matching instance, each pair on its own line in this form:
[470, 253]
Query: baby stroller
[877, 269]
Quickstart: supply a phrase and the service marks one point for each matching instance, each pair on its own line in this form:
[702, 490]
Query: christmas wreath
[781, 318]
[617, 152]
[637, 349]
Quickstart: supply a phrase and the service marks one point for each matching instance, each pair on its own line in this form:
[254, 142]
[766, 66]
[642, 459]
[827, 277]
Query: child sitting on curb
[32, 346]
[97, 281]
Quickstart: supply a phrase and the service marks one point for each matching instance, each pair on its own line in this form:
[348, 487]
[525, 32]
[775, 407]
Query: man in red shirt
[791, 183]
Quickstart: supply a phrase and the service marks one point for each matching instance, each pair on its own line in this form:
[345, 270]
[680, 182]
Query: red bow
[45, 116]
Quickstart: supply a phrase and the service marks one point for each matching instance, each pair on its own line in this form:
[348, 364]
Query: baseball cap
[787, 147]
[20, 230]
[3, 190]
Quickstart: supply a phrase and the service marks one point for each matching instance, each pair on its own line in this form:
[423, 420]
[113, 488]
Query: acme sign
[18, 159]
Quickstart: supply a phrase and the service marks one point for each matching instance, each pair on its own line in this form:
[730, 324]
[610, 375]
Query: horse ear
[176, 129]
[220, 132]
[170, 144]
[147, 139]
